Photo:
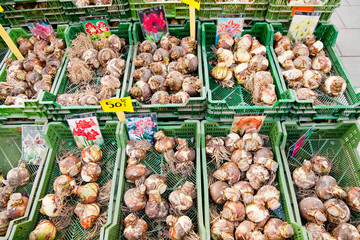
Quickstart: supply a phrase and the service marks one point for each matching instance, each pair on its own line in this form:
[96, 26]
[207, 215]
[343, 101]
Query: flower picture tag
[229, 23]
[303, 24]
[40, 28]
[153, 23]
[242, 124]
[33, 144]
[96, 27]
[85, 129]
[141, 126]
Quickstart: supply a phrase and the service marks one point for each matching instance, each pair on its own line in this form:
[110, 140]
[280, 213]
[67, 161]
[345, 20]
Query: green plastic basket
[271, 129]
[3, 20]
[10, 149]
[336, 141]
[119, 11]
[32, 109]
[330, 108]
[195, 107]
[256, 10]
[56, 134]
[324, 3]
[53, 12]
[283, 13]
[64, 86]
[188, 129]
[173, 9]
[238, 100]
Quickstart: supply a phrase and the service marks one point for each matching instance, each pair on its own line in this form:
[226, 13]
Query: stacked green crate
[274, 131]
[337, 142]
[10, 152]
[342, 107]
[155, 161]
[59, 112]
[195, 107]
[281, 11]
[32, 109]
[51, 10]
[224, 103]
[119, 11]
[59, 139]
[254, 10]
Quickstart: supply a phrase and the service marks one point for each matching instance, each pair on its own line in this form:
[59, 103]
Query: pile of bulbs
[146, 195]
[244, 189]
[91, 59]
[162, 73]
[84, 3]
[305, 2]
[90, 194]
[306, 67]
[330, 206]
[26, 78]
[12, 205]
[245, 59]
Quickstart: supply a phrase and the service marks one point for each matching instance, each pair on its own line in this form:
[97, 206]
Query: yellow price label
[1, 9]
[117, 105]
[194, 3]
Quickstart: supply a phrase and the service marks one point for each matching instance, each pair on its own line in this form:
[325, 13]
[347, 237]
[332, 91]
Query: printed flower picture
[97, 29]
[86, 131]
[247, 124]
[141, 126]
[232, 26]
[40, 28]
[303, 24]
[153, 23]
[33, 144]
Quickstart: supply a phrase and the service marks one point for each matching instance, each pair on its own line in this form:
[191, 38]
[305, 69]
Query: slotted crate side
[31, 108]
[333, 107]
[271, 129]
[195, 106]
[325, 2]
[63, 82]
[10, 153]
[238, 99]
[188, 129]
[173, 9]
[253, 11]
[56, 134]
[283, 13]
[336, 141]
[53, 12]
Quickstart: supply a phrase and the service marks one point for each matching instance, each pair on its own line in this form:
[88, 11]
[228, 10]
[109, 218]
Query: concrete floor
[347, 20]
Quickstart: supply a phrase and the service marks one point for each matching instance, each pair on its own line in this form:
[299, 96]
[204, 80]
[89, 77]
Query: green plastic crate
[53, 12]
[256, 11]
[32, 108]
[340, 106]
[238, 100]
[324, 2]
[271, 129]
[11, 154]
[195, 106]
[55, 135]
[3, 20]
[283, 13]
[173, 9]
[118, 11]
[336, 141]
[62, 85]
[188, 129]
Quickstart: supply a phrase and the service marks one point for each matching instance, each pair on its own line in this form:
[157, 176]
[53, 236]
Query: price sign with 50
[117, 105]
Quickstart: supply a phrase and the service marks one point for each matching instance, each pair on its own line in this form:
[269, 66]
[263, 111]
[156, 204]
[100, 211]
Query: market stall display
[166, 199]
[25, 81]
[244, 184]
[319, 102]
[183, 105]
[225, 102]
[322, 179]
[100, 75]
[70, 203]
[19, 181]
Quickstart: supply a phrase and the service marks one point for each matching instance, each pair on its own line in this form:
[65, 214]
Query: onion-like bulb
[18, 177]
[228, 172]
[270, 195]
[244, 42]
[318, 232]
[135, 198]
[140, 91]
[244, 230]
[335, 86]
[87, 193]
[70, 166]
[337, 211]
[257, 212]
[230, 141]
[265, 157]
[252, 141]
[312, 79]
[353, 199]
[242, 158]
[321, 165]
[316, 47]
[233, 211]
[225, 41]
[257, 48]
[182, 199]
[4, 222]
[88, 214]
[222, 229]
[163, 143]
[246, 191]
[275, 229]
[90, 172]
[156, 182]
[304, 177]
[156, 207]
[220, 72]
[105, 55]
[16, 206]
[327, 188]
[64, 185]
[179, 226]
[225, 56]
[148, 46]
[116, 67]
[345, 231]
[50, 205]
[313, 210]
[217, 192]
[91, 153]
[306, 94]
[45, 230]
[135, 227]
[257, 175]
